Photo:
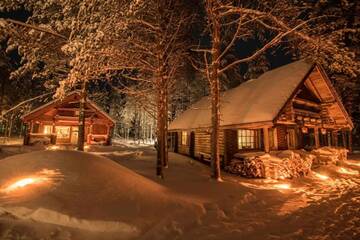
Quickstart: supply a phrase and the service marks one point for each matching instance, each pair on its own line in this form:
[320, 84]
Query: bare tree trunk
[166, 157]
[10, 125]
[81, 133]
[160, 134]
[215, 90]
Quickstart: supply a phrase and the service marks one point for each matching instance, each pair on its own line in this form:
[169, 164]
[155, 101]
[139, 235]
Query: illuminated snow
[348, 171]
[321, 176]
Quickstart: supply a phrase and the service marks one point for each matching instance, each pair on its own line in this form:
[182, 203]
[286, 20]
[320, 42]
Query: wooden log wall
[230, 144]
[202, 142]
[281, 137]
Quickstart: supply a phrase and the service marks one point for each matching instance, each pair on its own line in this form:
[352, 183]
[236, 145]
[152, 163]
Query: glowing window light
[282, 186]
[320, 176]
[47, 129]
[348, 171]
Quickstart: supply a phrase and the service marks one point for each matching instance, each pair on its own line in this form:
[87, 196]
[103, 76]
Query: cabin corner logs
[311, 117]
[57, 123]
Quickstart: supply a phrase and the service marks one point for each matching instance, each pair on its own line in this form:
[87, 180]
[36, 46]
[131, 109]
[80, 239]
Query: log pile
[277, 165]
[284, 164]
[247, 166]
[329, 155]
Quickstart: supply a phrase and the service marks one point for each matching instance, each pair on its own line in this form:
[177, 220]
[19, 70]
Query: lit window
[247, 139]
[184, 138]
[63, 132]
[47, 129]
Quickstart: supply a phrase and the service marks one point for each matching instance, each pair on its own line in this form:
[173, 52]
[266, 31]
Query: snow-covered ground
[76, 195]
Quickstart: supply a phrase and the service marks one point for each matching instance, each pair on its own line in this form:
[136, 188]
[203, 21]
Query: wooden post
[266, 139]
[88, 138]
[81, 123]
[27, 135]
[350, 140]
[53, 134]
[316, 133]
[335, 138]
[343, 136]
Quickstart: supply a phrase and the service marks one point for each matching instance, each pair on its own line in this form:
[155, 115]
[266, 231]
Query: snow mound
[53, 217]
[81, 190]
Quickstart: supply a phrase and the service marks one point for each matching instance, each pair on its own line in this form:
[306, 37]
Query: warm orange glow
[320, 176]
[348, 171]
[354, 163]
[282, 186]
[43, 177]
[54, 147]
[86, 147]
[23, 183]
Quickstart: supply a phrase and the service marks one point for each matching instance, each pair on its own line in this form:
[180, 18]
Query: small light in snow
[348, 171]
[86, 147]
[45, 176]
[320, 176]
[282, 186]
[23, 183]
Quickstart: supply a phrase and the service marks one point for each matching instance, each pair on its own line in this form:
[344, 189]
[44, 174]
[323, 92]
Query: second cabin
[291, 107]
[58, 122]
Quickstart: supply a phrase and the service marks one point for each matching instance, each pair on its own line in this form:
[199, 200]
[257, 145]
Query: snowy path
[313, 208]
[325, 206]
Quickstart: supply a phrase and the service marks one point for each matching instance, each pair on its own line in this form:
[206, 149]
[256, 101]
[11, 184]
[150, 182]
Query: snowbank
[87, 192]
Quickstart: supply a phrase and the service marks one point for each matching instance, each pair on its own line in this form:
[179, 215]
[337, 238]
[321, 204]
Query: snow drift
[81, 190]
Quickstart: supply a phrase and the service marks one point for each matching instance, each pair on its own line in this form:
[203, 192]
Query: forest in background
[26, 74]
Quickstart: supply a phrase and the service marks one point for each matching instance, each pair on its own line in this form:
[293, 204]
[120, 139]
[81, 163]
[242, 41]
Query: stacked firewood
[329, 155]
[278, 165]
[252, 166]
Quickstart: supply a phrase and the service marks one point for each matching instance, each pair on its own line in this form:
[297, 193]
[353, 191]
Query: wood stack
[250, 167]
[278, 165]
[329, 155]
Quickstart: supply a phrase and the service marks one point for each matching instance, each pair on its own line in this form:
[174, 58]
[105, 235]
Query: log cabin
[57, 122]
[291, 107]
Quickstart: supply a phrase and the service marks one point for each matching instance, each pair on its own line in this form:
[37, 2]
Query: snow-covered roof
[257, 100]
[58, 101]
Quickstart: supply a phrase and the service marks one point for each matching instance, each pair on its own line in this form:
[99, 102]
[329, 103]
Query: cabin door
[291, 138]
[176, 142]
[74, 135]
[192, 145]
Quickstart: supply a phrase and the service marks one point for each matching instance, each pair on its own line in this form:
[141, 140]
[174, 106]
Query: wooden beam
[307, 113]
[73, 109]
[307, 103]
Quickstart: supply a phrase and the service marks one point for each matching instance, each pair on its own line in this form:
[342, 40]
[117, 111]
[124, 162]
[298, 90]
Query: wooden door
[74, 135]
[291, 138]
[176, 142]
[192, 145]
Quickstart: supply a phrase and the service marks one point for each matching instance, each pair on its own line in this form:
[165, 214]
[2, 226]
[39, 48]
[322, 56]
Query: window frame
[184, 138]
[49, 127]
[248, 139]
